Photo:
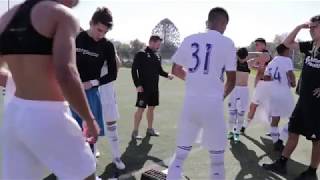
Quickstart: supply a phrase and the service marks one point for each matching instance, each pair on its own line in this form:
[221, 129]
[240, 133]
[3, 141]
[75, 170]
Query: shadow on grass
[249, 161]
[134, 158]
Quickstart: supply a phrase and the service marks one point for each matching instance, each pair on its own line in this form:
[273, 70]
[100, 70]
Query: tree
[136, 45]
[171, 37]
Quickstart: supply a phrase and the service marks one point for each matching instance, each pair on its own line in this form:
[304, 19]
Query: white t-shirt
[278, 69]
[206, 56]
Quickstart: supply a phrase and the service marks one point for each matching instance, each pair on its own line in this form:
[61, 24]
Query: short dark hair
[242, 53]
[281, 49]
[261, 40]
[315, 18]
[155, 38]
[216, 13]
[103, 15]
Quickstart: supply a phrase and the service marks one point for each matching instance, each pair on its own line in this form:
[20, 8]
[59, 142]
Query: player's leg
[111, 115]
[295, 125]
[213, 129]
[17, 161]
[244, 102]
[252, 111]
[141, 105]
[311, 172]
[187, 133]
[232, 113]
[112, 134]
[280, 165]
[275, 131]
[52, 127]
[153, 101]
[94, 101]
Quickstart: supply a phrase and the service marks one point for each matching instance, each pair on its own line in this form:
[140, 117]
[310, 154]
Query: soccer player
[111, 114]
[145, 72]
[280, 72]
[239, 97]
[305, 117]
[93, 50]
[37, 41]
[205, 56]
[258, 64]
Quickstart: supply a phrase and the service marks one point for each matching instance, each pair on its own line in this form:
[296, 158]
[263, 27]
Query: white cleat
[97, 153]
[119, 164]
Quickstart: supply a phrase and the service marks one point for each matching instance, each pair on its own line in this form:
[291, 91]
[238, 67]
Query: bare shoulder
[58, 12]
[6, 17]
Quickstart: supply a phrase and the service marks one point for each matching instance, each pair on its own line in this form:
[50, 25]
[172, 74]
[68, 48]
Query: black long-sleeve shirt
[91, 56]
[146, 69]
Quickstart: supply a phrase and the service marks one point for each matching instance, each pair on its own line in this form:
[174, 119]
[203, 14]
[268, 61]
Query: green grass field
[242, 160]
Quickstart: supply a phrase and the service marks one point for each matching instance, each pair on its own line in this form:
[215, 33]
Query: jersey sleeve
[290, 66]
[231, 60]
[305, 47]
[180, 57]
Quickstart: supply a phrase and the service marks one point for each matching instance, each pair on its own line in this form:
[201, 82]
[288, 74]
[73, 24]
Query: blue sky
[249, 19]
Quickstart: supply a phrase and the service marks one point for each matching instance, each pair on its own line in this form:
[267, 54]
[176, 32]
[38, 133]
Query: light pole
[8, 5]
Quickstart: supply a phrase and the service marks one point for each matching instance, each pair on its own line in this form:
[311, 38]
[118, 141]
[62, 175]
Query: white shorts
[40, 135]
[206, 114]
[261, 92]
[281, 102]
[239, 98]
[10, 89]
[108, 97]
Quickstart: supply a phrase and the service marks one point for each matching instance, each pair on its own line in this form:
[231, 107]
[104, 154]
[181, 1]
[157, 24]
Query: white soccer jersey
[206, 56]
[278, 69]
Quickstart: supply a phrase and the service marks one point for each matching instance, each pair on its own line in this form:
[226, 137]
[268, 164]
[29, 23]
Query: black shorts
[305, 120]
[145, 99]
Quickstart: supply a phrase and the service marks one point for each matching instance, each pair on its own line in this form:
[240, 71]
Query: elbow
[66, 74]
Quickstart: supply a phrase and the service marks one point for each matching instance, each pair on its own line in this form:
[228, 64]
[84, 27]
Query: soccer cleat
[307, 175]
[276, 167]
[97, 153]
[119, 164]
[242, 130]
[152, 132]
[230, 136]
[135, 135]
[278, 146]
[236, 137]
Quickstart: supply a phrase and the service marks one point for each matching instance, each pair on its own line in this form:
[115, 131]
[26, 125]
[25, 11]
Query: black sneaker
[276, 167]
[278, 146]
[242, 130]
[152, 132]
[307, 175]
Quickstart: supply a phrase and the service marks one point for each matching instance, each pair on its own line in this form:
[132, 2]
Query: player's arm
[64, 60]
[178, 71]
[3, 77]
[291, 78]
[230, 68]
[231, 82]
[136, 67]
[119, 63]
[165, 74]
[111, 65]
[290, 42]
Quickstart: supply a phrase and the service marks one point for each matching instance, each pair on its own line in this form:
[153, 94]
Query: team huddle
[59, 77]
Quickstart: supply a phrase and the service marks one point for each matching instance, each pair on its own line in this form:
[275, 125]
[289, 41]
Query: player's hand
[316, 93]
[305, 25]
[91, 131]
[87, 85]
[140, 89]
[170, 76]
